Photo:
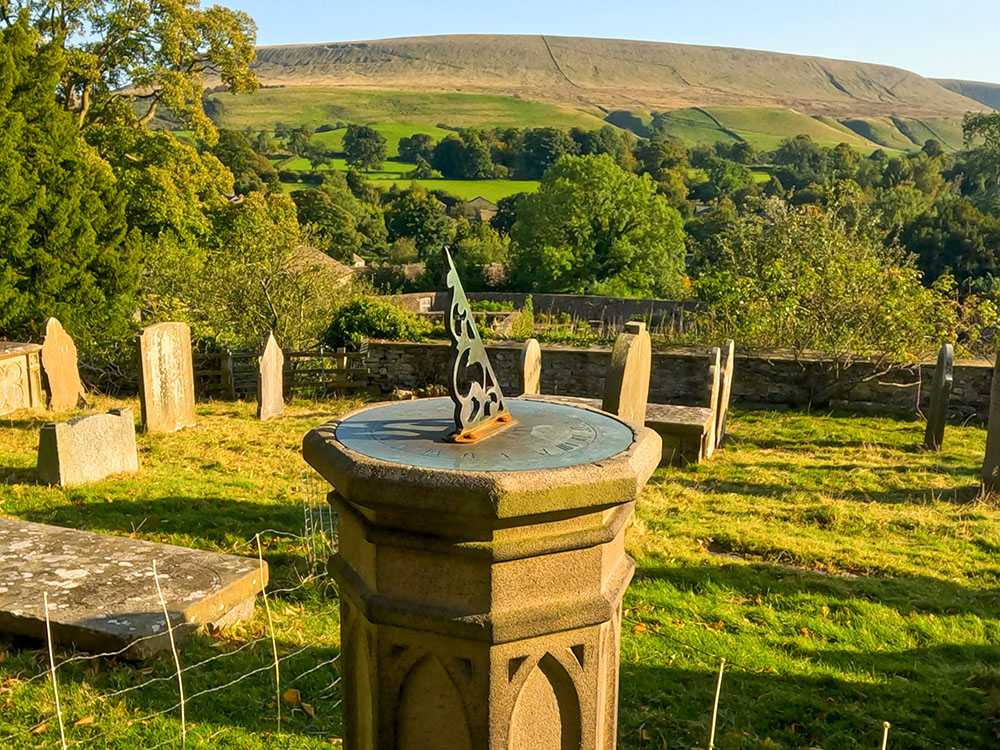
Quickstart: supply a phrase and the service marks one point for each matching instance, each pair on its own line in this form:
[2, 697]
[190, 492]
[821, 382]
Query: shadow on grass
[965, 494]
[934, 697]
[906, 595]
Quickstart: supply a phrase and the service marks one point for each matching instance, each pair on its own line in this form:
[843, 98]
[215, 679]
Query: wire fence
[63, 693]
[266, 674]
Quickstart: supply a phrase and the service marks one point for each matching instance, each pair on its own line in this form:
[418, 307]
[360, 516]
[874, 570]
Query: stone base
[102, 596]
[687, 432]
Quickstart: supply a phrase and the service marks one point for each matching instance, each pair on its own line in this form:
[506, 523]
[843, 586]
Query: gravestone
[102, 596]
[270, 380]
[712, 397]
[20, 377]
[626, 386]
[87, 449]
[166, 377]
[531, 368]
[725, 390]
[59, 364]
[937, 414]
[991, 461]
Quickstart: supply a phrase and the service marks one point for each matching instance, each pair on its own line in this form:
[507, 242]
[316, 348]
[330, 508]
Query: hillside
[613, 74]
[984, 93]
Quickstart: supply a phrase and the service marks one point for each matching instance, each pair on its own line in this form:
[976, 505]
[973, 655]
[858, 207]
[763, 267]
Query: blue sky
[935, 39]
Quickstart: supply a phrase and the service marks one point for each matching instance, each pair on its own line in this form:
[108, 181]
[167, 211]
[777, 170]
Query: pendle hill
[700, 94]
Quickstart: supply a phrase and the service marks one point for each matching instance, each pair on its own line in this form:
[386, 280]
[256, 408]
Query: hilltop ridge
[610, 74]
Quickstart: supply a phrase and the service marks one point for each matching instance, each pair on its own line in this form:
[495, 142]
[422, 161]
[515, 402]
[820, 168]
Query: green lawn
[847, 577]
[320, 105]
[393, 131]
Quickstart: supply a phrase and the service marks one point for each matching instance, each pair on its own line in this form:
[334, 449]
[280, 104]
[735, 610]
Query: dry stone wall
[680, 376]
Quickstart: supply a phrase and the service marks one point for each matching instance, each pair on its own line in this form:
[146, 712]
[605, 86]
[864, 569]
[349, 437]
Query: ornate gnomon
[480, 409]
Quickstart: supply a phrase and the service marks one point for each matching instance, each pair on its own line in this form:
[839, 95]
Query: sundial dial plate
[542, 436]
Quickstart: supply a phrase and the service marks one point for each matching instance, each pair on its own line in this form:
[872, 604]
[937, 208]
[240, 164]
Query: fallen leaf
[805, 631]
[292, 697]
[639, 628]
[86, 721]
[716, 625]
[309, 710]
[40, 728]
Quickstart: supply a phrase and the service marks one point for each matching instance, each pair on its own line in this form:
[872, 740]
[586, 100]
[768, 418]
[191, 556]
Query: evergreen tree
[67, 249]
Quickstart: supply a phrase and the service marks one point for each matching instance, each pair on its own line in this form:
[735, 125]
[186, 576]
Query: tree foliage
[67, 250]
[593, 228]
[803, 278]
[364, 147]
[128, 55]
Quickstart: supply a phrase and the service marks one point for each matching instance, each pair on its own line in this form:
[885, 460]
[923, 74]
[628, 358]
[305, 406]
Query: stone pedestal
[481, 607]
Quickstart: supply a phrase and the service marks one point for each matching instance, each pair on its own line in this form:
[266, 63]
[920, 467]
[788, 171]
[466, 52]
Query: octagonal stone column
[481, 609]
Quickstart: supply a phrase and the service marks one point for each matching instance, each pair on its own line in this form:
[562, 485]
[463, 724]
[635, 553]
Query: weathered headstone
[87, 449]
[62, 374]
[270, 380]
[20, 377]
[626, 386]
[991, 461]
[725, 390]
[937, 415]
[166, 377]
[712, 397]
[102, 596]
[531, 368]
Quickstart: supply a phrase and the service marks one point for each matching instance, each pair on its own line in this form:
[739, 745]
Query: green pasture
[320, 105]
[847, 577]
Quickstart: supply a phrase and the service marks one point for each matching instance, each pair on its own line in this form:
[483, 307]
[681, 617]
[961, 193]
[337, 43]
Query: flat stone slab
[102, 596]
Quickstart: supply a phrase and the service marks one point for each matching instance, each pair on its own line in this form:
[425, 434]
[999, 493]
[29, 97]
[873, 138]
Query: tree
[250, 170]
[67, 250]
[540, 148]
[726, 177]
[981, 132]
[364, 147]
[802, 162]
[419, 215]
[299, 140]
[956, 238]
[172, 193]
[802, 278]
[129, 55]
[417, 146]
[475, 249]
[660, 154]
[506, 213]
[258, 279]
[317, 155]
[594, 228]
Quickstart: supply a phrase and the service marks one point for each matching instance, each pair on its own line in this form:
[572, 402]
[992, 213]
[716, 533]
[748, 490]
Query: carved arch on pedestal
[546, 713]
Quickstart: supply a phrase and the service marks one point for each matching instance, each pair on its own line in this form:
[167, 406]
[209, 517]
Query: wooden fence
[318, 373]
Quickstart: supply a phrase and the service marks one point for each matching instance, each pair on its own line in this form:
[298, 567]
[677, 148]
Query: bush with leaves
[371, 318]
[805, 278]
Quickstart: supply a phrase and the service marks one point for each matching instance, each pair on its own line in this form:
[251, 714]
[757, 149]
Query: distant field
[491, 190]
[393, 131]
[320, 105]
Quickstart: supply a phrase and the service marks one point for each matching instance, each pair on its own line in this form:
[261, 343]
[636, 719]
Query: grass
[393, 131]
[319, 105]
[847, 577]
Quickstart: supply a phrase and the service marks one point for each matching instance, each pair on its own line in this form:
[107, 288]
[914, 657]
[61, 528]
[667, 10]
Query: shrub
[369, 317]
[524, 326]
[288, 175]
[488, 305]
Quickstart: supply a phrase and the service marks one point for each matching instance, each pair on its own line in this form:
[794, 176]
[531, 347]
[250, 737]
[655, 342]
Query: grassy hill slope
[612, 74]
[318, 105]
[984, 93]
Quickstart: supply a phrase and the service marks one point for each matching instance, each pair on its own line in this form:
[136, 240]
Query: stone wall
[612, 310]
[680, 376]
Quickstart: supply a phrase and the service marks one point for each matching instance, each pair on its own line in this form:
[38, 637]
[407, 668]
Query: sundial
[481, 561]
[477, 428]
[543, 436]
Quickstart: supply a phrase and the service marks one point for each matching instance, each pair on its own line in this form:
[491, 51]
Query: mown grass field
[847, 577]
[320, 105]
